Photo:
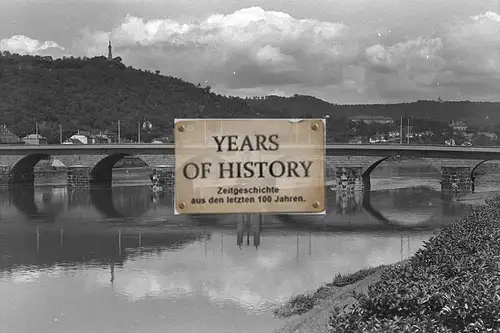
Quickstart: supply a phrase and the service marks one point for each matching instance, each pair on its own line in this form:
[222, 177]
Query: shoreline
[428, 292]
[309, 312]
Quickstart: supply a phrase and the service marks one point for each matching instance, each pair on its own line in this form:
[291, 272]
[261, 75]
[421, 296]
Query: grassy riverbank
[451, 285]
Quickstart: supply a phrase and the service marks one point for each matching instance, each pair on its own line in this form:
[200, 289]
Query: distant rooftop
[35, 136]
[362, 117]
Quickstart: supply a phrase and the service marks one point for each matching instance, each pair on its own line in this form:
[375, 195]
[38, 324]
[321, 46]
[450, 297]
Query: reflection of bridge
[352, 202]
[133, 202]
[46, 203]
[349, 165]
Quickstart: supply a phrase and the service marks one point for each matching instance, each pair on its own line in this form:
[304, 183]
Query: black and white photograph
[237, 166]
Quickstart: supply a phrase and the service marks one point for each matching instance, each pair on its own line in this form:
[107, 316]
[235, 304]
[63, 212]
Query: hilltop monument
[110, 52]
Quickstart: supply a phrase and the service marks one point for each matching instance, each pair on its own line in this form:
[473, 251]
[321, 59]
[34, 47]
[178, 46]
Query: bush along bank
[452, 284]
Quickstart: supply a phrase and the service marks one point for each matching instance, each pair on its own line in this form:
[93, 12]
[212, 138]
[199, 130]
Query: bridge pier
[78, 176]
[4, 176]
[163, 176]
[351, 179]
[456, 179]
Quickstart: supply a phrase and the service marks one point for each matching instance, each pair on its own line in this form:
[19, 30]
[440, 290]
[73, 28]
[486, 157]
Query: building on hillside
[163, 139]
[112, 136]
[394, 134]
[73, 141]
[99, 139]
[459, 126]
[377, 139]
[6, 136]
[450, 142]
[35, 139]
[77, 139]
[87, 138]
[372, 119]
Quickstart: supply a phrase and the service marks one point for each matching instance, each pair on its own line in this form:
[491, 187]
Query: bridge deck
[433, 151]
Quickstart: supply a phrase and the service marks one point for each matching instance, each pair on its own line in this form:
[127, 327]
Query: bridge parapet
[348, 166]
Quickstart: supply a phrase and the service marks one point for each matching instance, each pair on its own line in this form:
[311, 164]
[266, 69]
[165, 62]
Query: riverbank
[316, 308]
[451, 284]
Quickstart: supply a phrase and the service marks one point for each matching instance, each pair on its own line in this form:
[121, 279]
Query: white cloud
[253, 51]
[26, 45]
[262, 47]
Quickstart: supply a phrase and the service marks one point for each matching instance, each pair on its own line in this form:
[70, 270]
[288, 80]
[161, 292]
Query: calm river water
[117, 260]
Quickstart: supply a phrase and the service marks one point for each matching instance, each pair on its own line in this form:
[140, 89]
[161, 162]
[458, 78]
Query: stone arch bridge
[86, 165]
[347, 166]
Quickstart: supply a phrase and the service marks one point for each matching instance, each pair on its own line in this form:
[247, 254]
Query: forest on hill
[474, 113]
[94, 93]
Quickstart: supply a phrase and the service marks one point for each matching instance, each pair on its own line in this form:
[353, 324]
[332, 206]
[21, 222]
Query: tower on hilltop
[110, 53]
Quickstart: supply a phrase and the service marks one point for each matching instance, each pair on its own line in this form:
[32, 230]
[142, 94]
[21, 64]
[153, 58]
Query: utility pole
[139, 131]
[119, 135]
[401, 131]
[60, 134]
[36, 128]
[408, 135]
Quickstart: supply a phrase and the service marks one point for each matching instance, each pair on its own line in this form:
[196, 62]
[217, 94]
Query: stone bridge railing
[348, 167]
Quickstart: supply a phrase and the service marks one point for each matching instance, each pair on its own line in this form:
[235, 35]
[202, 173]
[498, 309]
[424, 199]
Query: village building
[35, 139]
[459, 126]
[7, 137]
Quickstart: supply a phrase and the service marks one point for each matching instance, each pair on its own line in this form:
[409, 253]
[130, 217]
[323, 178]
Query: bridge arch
[102, 173]
[22, 173]
[369, 169]
[474, 168]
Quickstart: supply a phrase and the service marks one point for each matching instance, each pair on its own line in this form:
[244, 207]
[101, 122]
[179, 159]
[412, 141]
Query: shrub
[341, 280]
[296, 305]
[451, 285]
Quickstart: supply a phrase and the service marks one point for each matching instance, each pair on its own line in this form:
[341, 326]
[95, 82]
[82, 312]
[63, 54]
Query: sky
[342, 51]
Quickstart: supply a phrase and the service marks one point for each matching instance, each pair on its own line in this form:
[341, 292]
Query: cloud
[246, 49]
[26, 45]
[253, 51]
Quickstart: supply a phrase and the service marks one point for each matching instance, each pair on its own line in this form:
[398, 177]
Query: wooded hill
[93, 93]
[474, 113]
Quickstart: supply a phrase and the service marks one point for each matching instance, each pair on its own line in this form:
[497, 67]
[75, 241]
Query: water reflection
[119, 202]
[119, 260]
[69, 246]
[414, 207]
[404, 207]
[40, 205]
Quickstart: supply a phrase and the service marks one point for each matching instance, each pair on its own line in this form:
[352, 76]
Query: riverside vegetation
[452, 284]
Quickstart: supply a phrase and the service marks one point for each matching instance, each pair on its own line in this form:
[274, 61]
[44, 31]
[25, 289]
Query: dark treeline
[94, 93]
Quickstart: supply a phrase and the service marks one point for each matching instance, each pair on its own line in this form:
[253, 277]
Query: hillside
[93, 94]
[474, 113]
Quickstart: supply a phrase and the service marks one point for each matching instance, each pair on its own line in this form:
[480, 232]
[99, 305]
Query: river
[118, 260]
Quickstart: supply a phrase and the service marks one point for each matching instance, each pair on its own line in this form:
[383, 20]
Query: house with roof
[73, 141]
[372, 119]
[7, 136]
[87, 138]
[35, 139]
[459, 126]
